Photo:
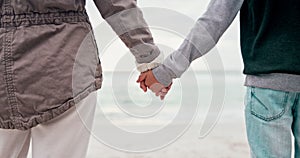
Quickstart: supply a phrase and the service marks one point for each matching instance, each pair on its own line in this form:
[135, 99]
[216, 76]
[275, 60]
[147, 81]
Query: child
[270, 43]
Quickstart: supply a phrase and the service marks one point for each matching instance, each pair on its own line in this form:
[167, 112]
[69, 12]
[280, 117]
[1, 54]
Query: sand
[226, 140]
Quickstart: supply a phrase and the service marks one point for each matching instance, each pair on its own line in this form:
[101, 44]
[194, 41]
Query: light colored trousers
[66, 136]
[272, 121]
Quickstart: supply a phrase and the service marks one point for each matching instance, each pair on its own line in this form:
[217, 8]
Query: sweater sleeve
[201, 39]
[126, 19]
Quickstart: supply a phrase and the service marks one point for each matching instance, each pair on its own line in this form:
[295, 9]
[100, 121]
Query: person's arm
[126, 19]
[202, 38]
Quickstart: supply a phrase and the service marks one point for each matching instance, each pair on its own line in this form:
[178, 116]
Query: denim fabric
[272, 121]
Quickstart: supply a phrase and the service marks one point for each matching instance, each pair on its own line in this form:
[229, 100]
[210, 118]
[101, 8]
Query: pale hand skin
[147, 80]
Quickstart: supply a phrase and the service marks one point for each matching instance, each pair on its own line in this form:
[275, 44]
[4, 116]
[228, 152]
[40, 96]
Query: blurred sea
[208, 129]
[121, 99]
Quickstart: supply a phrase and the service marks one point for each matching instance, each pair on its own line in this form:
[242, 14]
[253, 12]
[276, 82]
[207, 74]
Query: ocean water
[195, 93]
[126, 117]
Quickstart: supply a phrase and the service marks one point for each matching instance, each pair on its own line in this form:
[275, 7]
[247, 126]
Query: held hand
[147, 80]
[160, 90]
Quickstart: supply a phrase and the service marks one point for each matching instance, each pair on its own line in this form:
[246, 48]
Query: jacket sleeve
[201, 39]
[126, 19]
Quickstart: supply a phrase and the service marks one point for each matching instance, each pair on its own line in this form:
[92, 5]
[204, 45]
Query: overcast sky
[228, 47]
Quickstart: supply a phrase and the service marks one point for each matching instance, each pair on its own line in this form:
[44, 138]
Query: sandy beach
[226, 140]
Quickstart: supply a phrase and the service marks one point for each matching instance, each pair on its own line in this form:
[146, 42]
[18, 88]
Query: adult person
[270, 45]
[40, 41]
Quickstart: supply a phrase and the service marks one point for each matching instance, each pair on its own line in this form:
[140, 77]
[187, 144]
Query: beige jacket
[49, 59]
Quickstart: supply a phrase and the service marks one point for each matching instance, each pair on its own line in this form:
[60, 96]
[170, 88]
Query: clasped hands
[148, 81]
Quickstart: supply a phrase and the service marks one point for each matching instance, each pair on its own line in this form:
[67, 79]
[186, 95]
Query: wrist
[143, 67]
[163, 75]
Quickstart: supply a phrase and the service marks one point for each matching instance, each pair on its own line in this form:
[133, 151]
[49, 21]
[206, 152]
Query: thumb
[142, 77]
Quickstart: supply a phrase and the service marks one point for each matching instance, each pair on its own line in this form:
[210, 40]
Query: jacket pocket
[267, 104]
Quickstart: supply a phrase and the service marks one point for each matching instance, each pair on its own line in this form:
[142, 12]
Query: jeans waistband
[275, 81]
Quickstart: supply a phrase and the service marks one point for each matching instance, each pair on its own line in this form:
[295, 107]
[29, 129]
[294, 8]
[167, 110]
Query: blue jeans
[272, 121]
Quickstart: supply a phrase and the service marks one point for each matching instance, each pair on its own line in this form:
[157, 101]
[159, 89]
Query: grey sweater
[204, 36]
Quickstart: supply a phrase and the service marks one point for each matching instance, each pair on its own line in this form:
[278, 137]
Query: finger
[165, 90]
[143, 86]
[169, 87]
[157, 94]
[163, 94]
[142, 77]
[156, 87]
